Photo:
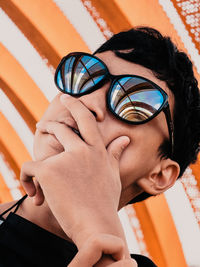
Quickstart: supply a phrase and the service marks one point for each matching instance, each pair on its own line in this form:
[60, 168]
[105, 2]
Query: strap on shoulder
[17, 204]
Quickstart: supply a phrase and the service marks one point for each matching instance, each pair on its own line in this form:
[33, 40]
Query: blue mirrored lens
[78, 74]
[135, 99]
[59, 81]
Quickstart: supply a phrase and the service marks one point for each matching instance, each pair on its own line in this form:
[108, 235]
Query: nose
[96, 102]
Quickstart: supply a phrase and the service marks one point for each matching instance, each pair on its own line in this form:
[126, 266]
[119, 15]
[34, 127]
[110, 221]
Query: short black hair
[148, 47]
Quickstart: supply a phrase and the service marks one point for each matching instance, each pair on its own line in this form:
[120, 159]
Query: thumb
[117, 146]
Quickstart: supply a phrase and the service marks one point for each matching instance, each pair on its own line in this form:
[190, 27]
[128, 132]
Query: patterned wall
[34, 35]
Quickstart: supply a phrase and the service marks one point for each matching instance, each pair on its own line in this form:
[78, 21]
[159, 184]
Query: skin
[149, 135]
[95, 246]
[134, 158]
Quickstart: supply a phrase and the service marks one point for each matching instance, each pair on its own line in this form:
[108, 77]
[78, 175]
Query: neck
[41, 216]
[128, 194]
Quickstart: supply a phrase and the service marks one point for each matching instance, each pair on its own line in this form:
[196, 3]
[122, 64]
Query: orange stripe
[13, 143]
[150, 14]
[24, 112]
[184, 18]
[30, 31]
[160, 232]
[5, 195]
[8, 158]
[50, 32]
[13, 166]
[196, 171]
[110, 13]
[147, 14]
[22, 86]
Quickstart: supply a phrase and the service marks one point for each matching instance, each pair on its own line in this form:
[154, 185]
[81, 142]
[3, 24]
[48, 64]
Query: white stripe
[82, 21]
[129, 234]
[181, 30]
[10, 179]
[186, 223]
[16, 193]
[18, 45]
[15, 119]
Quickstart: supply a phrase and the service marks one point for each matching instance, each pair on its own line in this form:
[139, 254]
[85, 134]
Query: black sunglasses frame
[115, 78]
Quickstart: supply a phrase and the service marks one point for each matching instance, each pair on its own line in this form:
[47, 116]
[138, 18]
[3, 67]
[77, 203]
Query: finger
[84, 118]
[38, 199]
[62, 132]
[124, 263]
[116, 147]
[26, 177]
[93, 250]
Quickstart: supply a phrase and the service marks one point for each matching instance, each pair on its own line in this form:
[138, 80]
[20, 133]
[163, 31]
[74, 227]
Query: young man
[114, 135]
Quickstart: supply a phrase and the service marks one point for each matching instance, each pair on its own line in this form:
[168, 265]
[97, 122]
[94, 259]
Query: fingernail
[126, 142]
[126, 139]
[63, 97]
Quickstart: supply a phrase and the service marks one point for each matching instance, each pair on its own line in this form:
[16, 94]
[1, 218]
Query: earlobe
[161, 178]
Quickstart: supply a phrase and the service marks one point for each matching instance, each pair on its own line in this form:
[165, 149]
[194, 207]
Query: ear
[162, 177]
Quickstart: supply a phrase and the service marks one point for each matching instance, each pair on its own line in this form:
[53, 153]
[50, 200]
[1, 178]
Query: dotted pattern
[137, 230]
[101, 23]
[189, 11]
[192, 191]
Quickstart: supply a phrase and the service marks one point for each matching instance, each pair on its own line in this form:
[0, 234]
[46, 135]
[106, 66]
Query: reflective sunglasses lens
[78, 74]
[135, 99]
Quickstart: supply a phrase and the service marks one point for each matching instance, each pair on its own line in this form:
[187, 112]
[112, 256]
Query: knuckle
[71, 101]
[120, 243]
[116, 155]
[95, 241]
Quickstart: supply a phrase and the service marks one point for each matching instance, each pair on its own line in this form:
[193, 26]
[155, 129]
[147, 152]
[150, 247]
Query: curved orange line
[160, 232]
[13, 143]
[50, 32]
[5, 195]
[21, 85]
[110, 13]
[23, 111]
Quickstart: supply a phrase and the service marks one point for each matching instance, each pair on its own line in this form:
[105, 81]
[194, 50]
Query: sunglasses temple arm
[170, 127]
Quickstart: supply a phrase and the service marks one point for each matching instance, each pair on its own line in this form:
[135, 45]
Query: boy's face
[141, 155]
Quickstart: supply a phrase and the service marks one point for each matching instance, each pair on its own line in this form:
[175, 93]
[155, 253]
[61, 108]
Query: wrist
[95, 226]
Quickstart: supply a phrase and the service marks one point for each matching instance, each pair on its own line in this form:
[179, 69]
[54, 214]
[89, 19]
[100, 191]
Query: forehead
[119, 66]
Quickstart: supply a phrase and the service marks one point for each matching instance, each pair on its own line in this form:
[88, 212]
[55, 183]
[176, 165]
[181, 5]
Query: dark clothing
[23, 243]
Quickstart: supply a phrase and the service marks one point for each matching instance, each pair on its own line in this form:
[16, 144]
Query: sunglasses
[131, 98]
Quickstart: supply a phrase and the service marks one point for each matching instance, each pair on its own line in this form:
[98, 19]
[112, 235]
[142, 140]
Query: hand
[82, 184]
[97, 246]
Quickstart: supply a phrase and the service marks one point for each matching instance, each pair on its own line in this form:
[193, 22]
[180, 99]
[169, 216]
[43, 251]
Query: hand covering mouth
[72, 125]
[76, 132]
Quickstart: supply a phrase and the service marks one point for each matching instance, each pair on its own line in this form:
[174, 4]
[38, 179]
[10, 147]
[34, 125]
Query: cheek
[138, 159]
